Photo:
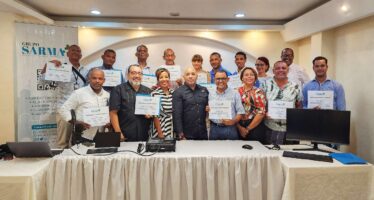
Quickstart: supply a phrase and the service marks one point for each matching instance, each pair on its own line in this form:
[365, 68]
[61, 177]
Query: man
[91, 96]
[169, 57]
[322, 83]
[109, 58]
[215, 61]
[189, 108]
[240, 60]
[142, 55]
[280, 89]
[122, 107]
[65, 89]
[225, 129]
[296, 73]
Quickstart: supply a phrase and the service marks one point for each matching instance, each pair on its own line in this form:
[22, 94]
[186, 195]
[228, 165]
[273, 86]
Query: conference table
[197, 170]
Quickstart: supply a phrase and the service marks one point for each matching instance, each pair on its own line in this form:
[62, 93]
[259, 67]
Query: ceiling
[256, 11]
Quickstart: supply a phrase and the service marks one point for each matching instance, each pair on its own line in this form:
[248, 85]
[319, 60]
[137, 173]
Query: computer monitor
[318, 126]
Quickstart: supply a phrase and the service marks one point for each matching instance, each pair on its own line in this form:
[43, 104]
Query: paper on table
[61, 73]
[220, 109]
[322, 99]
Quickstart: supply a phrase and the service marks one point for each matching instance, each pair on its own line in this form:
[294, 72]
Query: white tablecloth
[23, 179]
[197, 170]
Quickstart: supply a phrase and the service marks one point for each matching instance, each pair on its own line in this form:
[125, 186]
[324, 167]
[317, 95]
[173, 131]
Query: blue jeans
[223, 132]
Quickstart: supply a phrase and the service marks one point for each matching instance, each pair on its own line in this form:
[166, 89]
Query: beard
[135, 83]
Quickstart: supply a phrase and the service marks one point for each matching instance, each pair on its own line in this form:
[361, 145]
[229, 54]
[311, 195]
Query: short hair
[248, 68]
[130, 66]
[159, 72]
[215, 53]
[109, 51]
[280, 61]
[266, 61]
[197, 57]
[140, 46]
[242, 54]
[94, 69]
[288, 49]
[221, 71]
[319, 58]
[168, 49]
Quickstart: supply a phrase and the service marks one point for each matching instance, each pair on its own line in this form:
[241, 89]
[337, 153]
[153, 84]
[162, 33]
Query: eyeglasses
[259, 65]
[221, 79]
[136, 73]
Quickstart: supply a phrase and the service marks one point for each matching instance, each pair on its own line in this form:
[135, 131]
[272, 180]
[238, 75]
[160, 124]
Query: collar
[327, 80]
[107, 67]
[93, 92]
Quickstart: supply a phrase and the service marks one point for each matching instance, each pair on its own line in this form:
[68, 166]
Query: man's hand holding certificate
[278, 109]
[112, 78]
[320, 99]
[61, 73]
[220, 109]
[147, 105]
[96, 116]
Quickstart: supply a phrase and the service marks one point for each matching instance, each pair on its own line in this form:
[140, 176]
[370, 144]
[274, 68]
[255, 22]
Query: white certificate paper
[61, 73]
[278, 109]
[149, 80]
[234, 81]
[96, 116]
[220, 109]
[210, 87]
[202, 78]
[175, 71]
[112, 78]
[147, 105]
[322, 99]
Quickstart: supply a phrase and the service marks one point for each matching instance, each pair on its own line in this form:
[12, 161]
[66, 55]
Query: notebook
[348, 158]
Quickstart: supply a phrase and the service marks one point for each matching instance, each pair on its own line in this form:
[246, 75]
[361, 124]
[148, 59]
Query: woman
[262, 67]
[202, 75]
[254, 103]
[163, 124]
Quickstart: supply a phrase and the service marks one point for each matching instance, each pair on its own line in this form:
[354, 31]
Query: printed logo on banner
[35, 49]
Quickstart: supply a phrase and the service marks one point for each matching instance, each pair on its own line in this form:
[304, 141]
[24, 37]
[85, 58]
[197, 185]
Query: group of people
[184, 110]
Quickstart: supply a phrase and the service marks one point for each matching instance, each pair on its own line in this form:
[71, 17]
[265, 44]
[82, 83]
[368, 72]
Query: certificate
[149, 80]
[322, 99]
[234, 81]
[96, 116]
[202, 78]
[61, 73]
[174, 70]
[211, 87]
[147, 105]
[278, 109]
[220, 109]
[112, 78]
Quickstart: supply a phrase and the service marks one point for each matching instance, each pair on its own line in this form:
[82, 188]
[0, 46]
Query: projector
[160, 145]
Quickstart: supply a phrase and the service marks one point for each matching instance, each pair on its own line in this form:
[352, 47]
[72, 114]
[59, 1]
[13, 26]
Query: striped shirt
[166, 112]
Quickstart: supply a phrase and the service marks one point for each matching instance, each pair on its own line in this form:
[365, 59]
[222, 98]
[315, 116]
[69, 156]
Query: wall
[354, 58]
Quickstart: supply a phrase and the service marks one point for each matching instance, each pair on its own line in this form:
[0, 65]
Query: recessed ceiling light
[239, 15]
[140, 28]
[174, 14]
[95, 12]
[344, 8]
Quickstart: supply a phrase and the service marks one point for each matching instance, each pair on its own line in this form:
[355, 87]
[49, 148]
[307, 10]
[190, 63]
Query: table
[23, 179]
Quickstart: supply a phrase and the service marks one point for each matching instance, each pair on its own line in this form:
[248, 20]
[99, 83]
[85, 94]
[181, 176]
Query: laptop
[107, 139]
[30, 149]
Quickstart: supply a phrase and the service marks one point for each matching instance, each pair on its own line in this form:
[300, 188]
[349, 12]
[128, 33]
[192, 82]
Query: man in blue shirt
[215, 62]
[322, 83]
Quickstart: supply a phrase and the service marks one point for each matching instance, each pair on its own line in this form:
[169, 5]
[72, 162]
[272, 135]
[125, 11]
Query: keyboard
[316, 157]
[103, 150]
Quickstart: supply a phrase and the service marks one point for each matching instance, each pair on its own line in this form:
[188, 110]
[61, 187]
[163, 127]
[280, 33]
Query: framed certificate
[234, 81]
[147, 105]
[96, 116]
[112, 78]
[322, 99]
[220, 109]
[61, 73]
[278, 109]
[149, 80]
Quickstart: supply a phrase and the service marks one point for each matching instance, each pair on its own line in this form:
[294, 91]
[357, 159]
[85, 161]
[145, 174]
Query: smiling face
[221, 80]
[97, 79]
[287, 56]
[280, 70]
[135, 75]
[240, 61]
[197, 64]
[215, 61]
[249, 77]
[74, 53]
[163, 80]
[320, 68]
[261, 67]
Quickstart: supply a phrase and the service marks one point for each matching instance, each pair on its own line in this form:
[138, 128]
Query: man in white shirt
[88, 97]
[65, 89]
[296, 73]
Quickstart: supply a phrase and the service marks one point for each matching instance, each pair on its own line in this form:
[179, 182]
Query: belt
[215, 124]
